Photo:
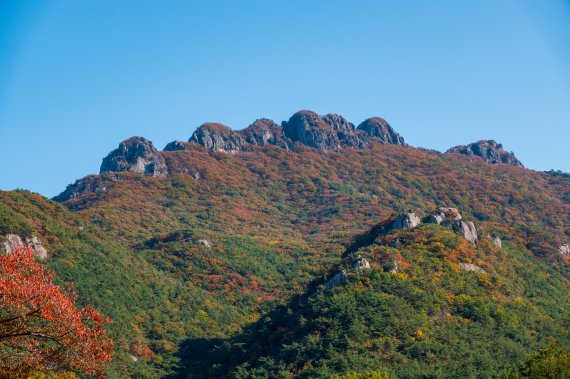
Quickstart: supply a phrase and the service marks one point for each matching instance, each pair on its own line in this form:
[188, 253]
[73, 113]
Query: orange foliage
[40, 327]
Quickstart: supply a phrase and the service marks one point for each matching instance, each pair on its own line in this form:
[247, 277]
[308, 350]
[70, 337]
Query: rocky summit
[137, 155]
[304, 128]
[379, 129]
[490, 151]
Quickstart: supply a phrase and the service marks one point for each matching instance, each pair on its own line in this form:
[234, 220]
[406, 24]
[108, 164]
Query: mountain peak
[379, 128]
[217, 137]
[136, 154]
[489, 150]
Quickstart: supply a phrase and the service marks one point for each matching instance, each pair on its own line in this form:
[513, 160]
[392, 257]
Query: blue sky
[78, 77]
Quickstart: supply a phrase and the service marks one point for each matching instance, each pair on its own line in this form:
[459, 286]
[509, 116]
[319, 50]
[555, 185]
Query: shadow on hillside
[219, 357]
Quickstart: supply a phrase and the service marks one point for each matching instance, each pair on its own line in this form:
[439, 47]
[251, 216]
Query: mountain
[196, 249]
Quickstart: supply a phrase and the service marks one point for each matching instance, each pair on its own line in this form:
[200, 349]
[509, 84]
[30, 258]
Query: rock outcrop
[360, 263]
[346, 131]
[558, 173]
[91, 185]
[466, 229]
[564, 250]
[452, 219]
[218, 137]
[175, 146]
[137, 155]
[337, 280]
[497, 243]
[469, 267]
[378, 128]
[13, 241]
[205, 243]
[264, 132]
[310, 129]
[406, 221]
[489, 150]
[328, 132]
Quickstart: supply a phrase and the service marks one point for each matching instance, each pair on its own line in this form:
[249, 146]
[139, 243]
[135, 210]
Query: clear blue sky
[78, 77]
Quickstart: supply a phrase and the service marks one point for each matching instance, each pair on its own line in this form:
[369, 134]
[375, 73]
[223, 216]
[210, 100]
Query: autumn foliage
[40, 327]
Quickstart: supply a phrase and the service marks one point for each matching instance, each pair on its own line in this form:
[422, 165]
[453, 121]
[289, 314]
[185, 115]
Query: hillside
[431, 305]
[186, 248]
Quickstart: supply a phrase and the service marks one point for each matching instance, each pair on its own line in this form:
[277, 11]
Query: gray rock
[12, 242]
[205, 243]
[396, 243]
[390, 263]
[452, 220]
[175, 146]
[39, 251]
[489, 150]
[346, 132]
[266, 132]
[406, 221]
[218, 137]
[471, 267]
[360, 263]
[450, 213]
[310, 129]
[497, 243]
[564, 250]
[91, 184]
[434, 219]
[558, 173]
[137, 155]
[468, 231]
[337, 280]
[378, 128]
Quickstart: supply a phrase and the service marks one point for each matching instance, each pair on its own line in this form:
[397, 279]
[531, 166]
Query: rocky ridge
[447, 217]
[331, 132]
[489, 150]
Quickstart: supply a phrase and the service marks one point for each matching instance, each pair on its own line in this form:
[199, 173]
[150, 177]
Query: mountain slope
[192, 244]
[435, 315]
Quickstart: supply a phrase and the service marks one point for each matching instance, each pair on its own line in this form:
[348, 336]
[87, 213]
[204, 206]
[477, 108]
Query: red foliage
[40, 327]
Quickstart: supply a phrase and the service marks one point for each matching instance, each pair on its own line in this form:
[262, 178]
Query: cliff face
[137, 155]
[217, 137]
[489, 150]
[379, 129]
[264, 132]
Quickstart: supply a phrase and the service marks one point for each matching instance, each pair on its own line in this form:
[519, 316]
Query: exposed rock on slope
[558, 173]
[490, 151]
[497, 243]
[469, 267]
[13, 241]
[218, 137]
[175, 146]
[406, 221]
[360, 263]
[137, 155]
[380, 129]
[451, 218]
[336, 280]
[91, 185]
